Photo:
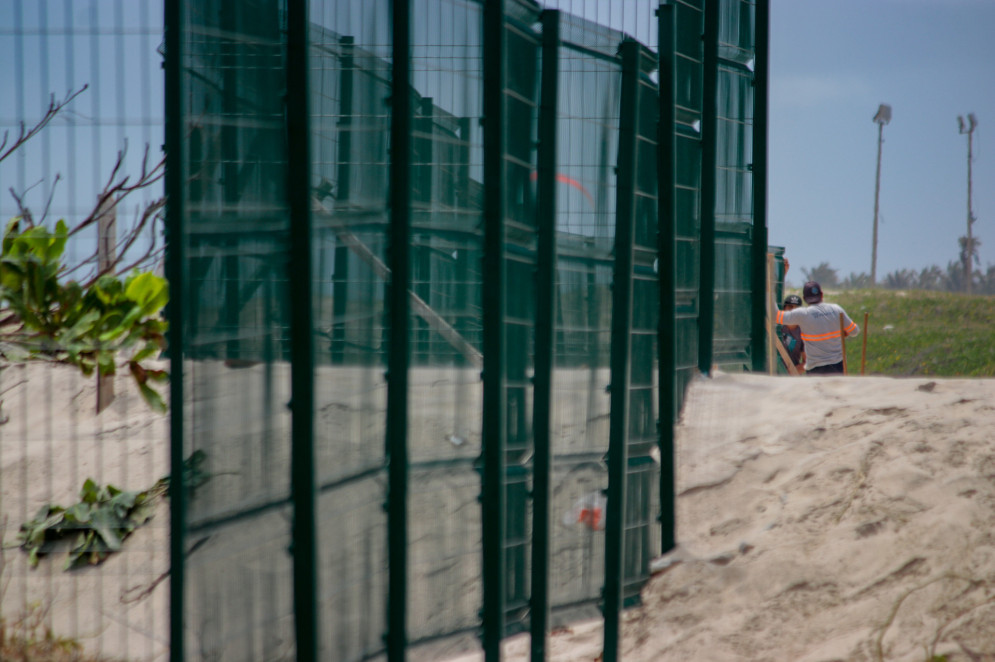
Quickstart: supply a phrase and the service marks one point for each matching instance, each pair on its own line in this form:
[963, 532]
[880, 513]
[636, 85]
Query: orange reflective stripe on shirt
[825, 336]
[780, 317]
[849, 329]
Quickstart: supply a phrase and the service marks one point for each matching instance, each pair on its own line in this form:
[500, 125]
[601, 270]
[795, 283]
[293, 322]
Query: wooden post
[843, 342]
[773, 342]
[863, 351]
[106, 255]
[771, 307]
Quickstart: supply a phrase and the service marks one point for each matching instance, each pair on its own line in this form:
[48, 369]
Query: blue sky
[832, 64]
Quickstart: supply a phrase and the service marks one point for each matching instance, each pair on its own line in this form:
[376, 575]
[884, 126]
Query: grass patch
[916, 333]
[28, 640]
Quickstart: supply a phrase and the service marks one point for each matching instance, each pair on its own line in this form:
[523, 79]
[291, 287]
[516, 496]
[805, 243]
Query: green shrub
[43, 317]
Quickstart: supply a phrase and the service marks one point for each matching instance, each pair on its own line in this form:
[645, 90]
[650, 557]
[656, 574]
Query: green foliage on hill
[920, 333]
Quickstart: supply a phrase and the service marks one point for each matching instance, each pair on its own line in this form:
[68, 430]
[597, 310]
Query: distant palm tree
[903, 279]
[933, 278]
[856, 281]
[824, 274]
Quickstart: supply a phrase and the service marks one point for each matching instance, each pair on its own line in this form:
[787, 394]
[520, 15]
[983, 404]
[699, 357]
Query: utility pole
[882, 117]
[972, 123]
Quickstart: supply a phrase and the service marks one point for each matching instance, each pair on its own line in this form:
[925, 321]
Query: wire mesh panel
[734, 186]
[349, 49]
[588, 112]
[688, 64]
[642, 539]
[80, 136]
[445, 386]
[521, 99]
[239, 584]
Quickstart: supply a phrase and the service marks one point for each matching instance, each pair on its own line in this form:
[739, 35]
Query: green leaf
[79, 513]
[150, 291]
[58, 242]
[90, 492]
[83, 325]
[107, 525]
[144, 507]
[152, 398]
[105, 361]
[150, 349]
[10, 233]
[84, 543]
[157, 375]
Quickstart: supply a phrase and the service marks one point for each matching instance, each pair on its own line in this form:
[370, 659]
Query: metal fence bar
[176, 268]
[298, 173]
[621, 345]
[545, 320]
[493, 437]
[761, 74]
[399, 356]
[666, 173]
[340, 278]
[709, 139]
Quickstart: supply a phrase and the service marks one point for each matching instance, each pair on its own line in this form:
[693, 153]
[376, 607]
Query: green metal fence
[442, 270]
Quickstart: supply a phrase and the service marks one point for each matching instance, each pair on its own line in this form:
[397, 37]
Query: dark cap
[792, 300]
[812, 292]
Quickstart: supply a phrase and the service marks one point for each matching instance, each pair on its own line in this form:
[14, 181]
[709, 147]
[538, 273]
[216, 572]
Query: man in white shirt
[820, 326]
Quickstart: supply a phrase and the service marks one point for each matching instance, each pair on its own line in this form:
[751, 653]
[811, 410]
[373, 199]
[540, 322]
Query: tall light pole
[972, 122]
[882, 117]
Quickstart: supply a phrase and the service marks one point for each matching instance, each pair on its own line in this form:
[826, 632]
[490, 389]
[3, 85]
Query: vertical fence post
[621, 345]
[340, 273]
[303, 491]
[399, 351]
[231, 168]
[544, 334]
[761, 73]
[175, 178]
[493, 437]
[666, 264]
[709, 137]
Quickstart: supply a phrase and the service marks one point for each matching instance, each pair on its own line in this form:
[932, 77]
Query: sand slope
[823, 519]
[51, 441]
[819, 519]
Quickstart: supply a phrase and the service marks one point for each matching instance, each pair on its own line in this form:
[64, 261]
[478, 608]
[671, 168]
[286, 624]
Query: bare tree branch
[25, 134]
[51, 194]
[150, 213]
[115, 191]
[22, 209]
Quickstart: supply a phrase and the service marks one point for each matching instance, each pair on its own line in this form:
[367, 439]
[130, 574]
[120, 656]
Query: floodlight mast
[972, 122]
[882, 117]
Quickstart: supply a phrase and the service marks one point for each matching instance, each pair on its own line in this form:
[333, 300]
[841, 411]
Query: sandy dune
[820, 519]
[823, 519]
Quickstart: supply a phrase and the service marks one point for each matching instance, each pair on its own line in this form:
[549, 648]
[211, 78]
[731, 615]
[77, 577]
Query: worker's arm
[789, 316]
[849, 325]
